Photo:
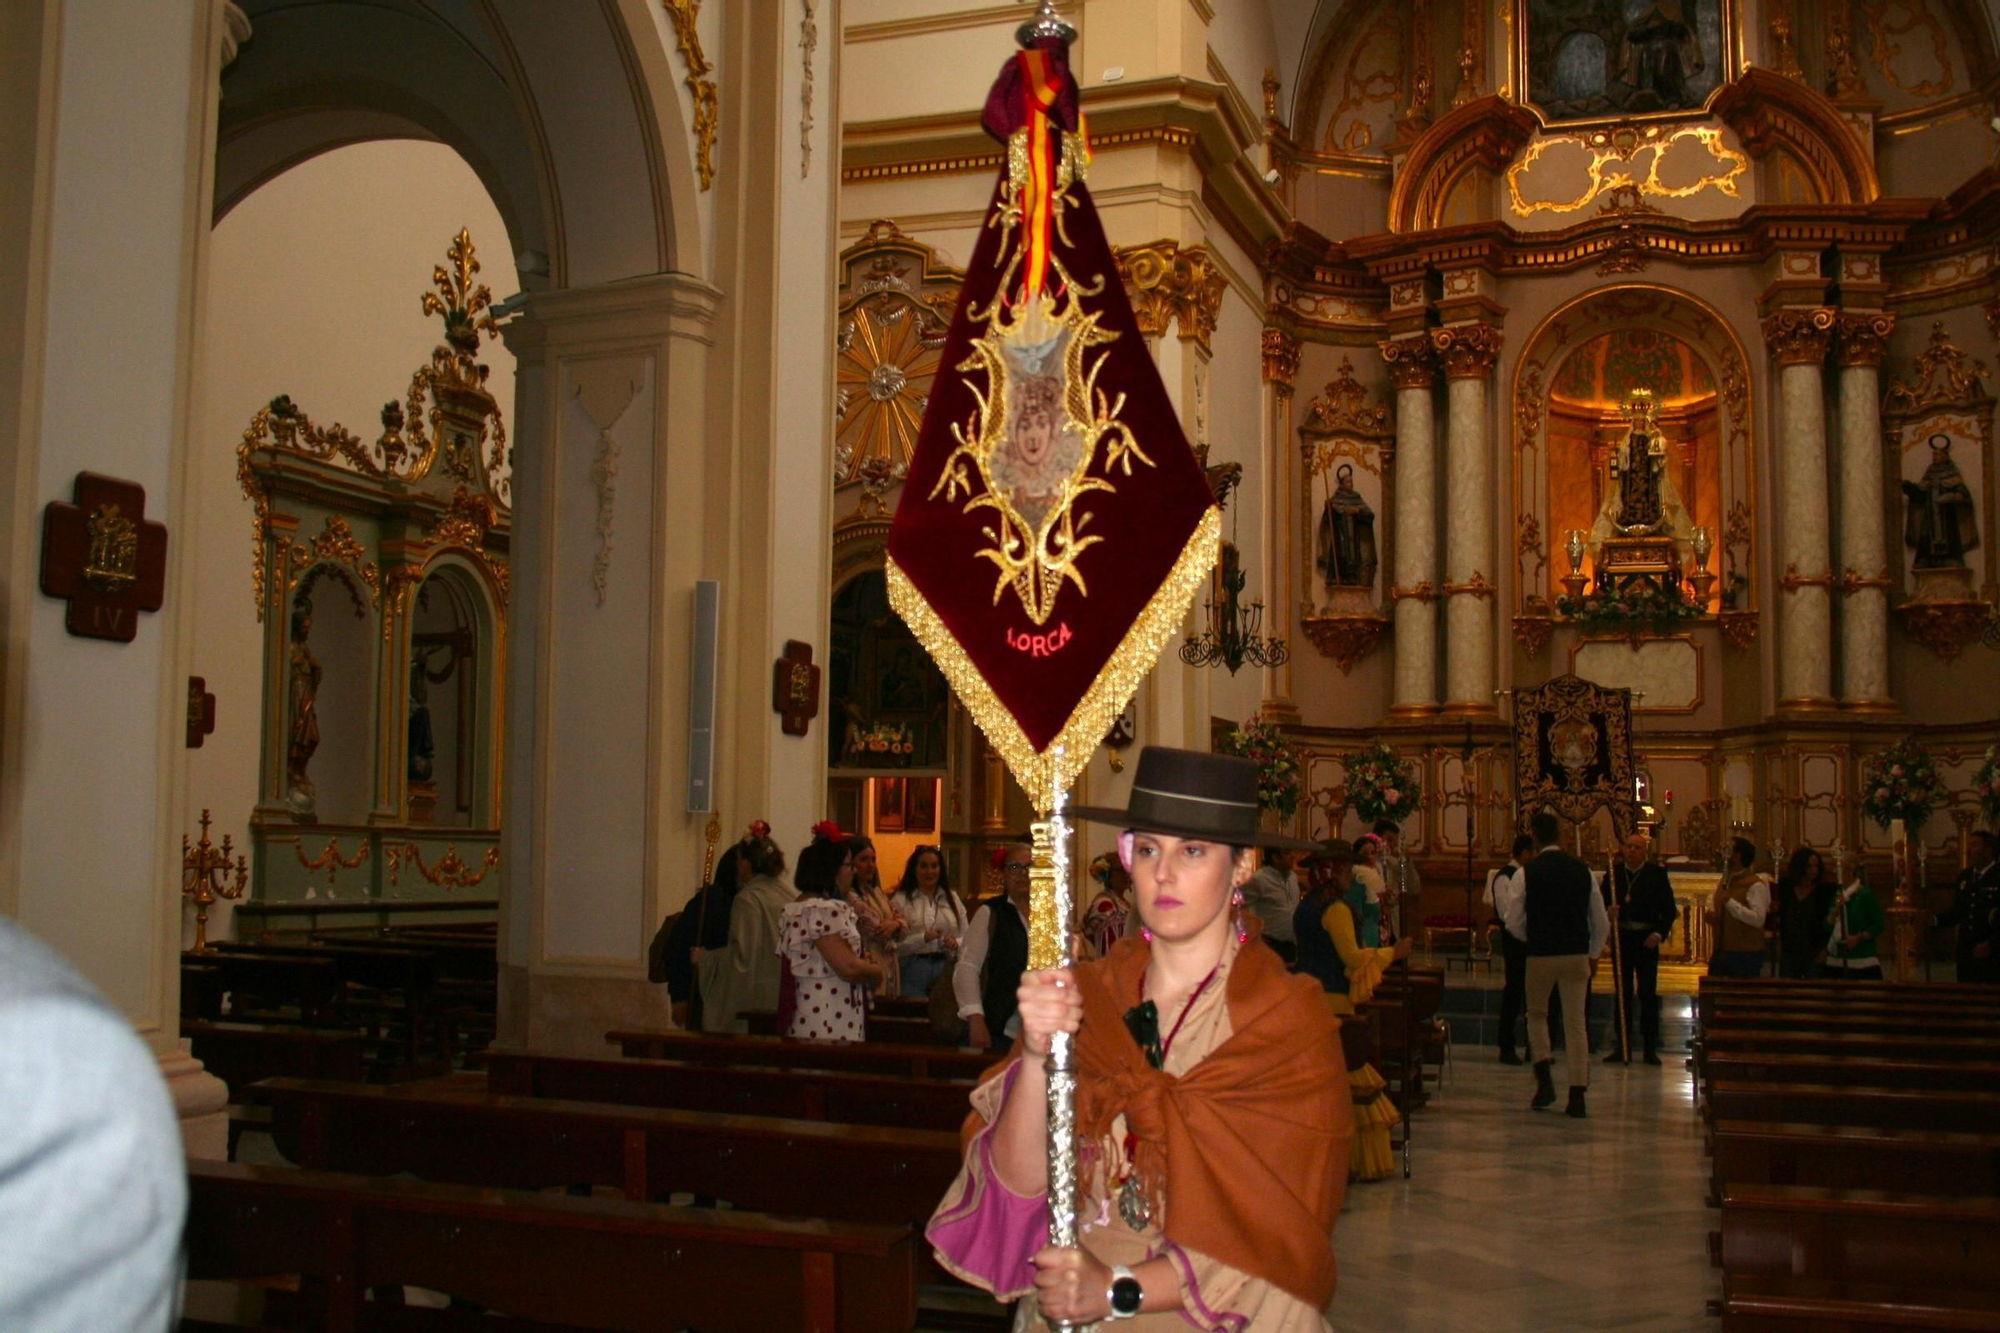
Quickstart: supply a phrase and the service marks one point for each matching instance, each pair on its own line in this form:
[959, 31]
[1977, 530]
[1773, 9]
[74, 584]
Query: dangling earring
[1236, 899]
[1242, 931]
[1146, 934]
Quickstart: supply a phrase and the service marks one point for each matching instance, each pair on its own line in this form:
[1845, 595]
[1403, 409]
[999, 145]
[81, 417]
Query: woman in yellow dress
[1329, 926]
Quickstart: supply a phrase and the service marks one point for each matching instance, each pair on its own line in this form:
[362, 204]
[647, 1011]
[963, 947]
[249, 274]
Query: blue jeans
[1738, 964]
[920, 973]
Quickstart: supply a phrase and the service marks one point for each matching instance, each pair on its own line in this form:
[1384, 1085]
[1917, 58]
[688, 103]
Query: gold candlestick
[205, 878]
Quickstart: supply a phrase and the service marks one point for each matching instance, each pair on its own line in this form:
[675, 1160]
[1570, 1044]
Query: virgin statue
[1640, 498]
[1940, 525]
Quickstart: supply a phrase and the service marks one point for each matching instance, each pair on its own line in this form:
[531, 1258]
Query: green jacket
[1864, 916]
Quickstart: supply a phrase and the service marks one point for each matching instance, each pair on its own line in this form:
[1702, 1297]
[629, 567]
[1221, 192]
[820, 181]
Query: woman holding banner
[1212, 1160]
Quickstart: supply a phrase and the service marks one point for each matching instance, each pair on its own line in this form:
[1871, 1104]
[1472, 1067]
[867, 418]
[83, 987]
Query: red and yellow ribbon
[1042, 85]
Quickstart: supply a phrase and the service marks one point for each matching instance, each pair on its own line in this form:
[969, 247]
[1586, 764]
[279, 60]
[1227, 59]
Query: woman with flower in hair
[1108, 918]
[827, 978]
[1369, 849]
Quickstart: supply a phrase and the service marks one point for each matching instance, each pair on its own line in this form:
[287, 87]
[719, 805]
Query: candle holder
[1701, 581]
[1574, 581]
[205, 877]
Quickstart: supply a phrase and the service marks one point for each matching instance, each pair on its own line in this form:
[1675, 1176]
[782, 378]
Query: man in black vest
[1561, 915]
[1646, 914]
[993, 956]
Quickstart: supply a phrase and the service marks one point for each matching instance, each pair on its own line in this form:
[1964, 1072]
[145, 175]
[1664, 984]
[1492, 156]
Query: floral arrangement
[1277, 766]
[1381, 784]
[1986, 785]
[882, 738]
[1633, 610]
[1901, 783]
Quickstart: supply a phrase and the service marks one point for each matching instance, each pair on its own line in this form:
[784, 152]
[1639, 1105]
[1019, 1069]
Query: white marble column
[1469, 352]
[1413, 367]
[1864, 557]
[1798, 342]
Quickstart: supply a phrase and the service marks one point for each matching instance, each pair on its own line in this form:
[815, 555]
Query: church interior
[452, 451]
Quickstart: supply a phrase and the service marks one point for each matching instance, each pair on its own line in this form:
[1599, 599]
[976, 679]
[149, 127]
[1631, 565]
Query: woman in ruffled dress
[828, 980]
[1211, 1160]
[1108, 919]
[1329, 926]
[882, 926]
[1369, 849]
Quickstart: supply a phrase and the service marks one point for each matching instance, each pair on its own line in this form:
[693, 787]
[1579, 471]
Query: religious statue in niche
[1939, 524]
[1345, 554]
[303, 737]
[423, 744]
[1605, 58]
[1641, 498]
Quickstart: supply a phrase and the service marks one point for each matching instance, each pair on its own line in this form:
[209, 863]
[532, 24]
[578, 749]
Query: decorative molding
[604, 393]
[809, 44]
[1992, 312]
[1793, 580]
[1171, 285]
[1800, 337]
[893, 310]
[1783, 45]
[1488, 131]
[1345, 639]
[1864, 338]
[1769, 111]
[1468, 351]
[1852, 581]
[1946, 378]
[1343, 408]
[1843, 75]
[1622, 145]
[1476, 586]
[1281, 360]
[1533, 633]
[337, 545]
[986, 162]
[235, 31]
[1412, 361]
[1739, 627]
[604, 475]
[1947, 628]
[1423, 592]
[700, 87]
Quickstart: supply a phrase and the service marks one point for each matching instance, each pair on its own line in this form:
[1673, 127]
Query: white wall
[315, 290]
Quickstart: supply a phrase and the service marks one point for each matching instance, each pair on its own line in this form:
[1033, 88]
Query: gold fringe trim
[1040, 773]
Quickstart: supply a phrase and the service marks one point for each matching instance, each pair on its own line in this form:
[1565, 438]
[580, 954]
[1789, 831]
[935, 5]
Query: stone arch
[1771, 113]
[594, 186]
[1487, 133]
[1652, 307]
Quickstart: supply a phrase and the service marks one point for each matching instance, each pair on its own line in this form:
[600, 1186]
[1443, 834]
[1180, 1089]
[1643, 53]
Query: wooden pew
[395, 988]
[304, 990]
[1905, 1022]
[1870, 1071]
[1795, 1305]
[1848, 1104]
[801, 1094]
[880, 1028]
[853, 1173]
[242, 1053]
[1781, 1041]
[846, 1057]
[1855, 1157]
[1845, 1235]
[578, 1264]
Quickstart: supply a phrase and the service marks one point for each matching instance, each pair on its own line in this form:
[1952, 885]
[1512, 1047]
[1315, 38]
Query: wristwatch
[1126, 1295]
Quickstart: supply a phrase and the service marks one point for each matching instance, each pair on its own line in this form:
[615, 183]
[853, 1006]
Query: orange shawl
[1252, 1142]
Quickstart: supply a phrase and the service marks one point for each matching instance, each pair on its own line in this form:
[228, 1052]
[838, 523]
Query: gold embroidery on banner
[1043, 774]
[1032, 441]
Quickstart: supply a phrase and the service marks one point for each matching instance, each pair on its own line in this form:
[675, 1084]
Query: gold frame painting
[1718, 36]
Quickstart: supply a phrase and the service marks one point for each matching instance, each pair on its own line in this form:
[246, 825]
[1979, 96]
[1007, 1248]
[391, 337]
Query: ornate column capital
[1412, 361]
[1281, 360]
[1468, 351]
[1864, 338]
[1171, 285]
[1800, 337]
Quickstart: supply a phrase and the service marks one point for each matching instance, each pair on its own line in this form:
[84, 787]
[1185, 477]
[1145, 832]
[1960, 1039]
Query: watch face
[1127, 1296]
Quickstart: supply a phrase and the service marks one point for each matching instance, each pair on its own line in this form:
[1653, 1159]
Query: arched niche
[443, 745]
[1572, 366]
[328, 744]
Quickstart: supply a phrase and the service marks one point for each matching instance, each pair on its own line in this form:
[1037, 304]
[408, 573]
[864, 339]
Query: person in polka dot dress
[820, 941]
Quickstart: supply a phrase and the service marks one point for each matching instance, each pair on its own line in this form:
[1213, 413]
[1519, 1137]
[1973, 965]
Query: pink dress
[828, 1008]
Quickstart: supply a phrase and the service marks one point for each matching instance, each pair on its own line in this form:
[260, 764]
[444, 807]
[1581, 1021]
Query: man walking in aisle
[1561, 915]
[1646, 912]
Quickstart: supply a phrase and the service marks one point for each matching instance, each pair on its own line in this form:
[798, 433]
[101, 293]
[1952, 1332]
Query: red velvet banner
[1054, 526]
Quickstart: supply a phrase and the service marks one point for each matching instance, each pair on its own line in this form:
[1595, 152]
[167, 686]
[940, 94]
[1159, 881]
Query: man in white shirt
[1561, 915]
[993, 957]
[1272, 895]
[1504, 892]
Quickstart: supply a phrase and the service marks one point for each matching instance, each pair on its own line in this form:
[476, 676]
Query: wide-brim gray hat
[1193, 794]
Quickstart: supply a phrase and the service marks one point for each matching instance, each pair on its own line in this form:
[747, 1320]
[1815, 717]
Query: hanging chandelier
[1231, 637]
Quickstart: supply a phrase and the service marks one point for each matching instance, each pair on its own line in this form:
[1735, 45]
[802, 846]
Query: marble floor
[1518, 1220]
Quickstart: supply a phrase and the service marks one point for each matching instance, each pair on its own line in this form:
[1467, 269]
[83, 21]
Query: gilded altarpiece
[381, 580]
[1346, 453]
[1937, 425]
[1573, 418]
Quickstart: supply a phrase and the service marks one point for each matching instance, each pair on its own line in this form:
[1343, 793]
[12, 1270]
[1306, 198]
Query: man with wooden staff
[1644, 898]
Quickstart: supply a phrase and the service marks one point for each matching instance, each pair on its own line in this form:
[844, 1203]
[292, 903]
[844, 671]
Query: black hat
[1334, 849]
[1192, 794]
